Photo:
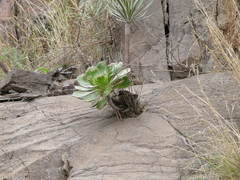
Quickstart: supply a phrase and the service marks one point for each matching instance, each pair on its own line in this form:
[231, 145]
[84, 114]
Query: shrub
[102, 84]
[98, 83]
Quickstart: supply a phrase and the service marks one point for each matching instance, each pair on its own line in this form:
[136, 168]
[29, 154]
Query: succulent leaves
[129, 11]
[99, 81]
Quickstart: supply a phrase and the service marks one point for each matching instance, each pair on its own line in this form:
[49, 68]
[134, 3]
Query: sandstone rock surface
[148, 45]
[174, 33]
[166, 38]
[35, 135]
[185, 20]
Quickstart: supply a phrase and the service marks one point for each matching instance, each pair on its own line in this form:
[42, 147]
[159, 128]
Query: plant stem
[110, 102]
[126, 43]
[115, 108]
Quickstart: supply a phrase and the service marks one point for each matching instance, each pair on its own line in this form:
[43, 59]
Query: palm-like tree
[128, 11]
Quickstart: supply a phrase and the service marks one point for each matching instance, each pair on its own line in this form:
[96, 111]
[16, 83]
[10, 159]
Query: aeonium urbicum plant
[98, 83]
[103, 84]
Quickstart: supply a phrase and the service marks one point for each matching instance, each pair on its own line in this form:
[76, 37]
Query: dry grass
[216, 147]
[219, 156]
[54, 33]
[231, 28]
[226, 41]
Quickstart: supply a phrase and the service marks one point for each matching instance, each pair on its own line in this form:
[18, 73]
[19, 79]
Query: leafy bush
[98, 83]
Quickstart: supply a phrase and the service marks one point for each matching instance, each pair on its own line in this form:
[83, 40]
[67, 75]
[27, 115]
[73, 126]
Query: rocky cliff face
[148, 45]
[174, 33]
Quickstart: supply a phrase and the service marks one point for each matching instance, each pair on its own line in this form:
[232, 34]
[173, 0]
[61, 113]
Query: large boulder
[148, 46]
[62, 138]
[26, 81]
[185, 20]
[173, 38]
[27, 85]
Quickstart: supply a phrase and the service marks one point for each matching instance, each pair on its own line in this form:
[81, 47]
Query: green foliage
[12, 56]
[42, 70]
[129, 11]
[227, 165]
[51, 31]
[99, 81]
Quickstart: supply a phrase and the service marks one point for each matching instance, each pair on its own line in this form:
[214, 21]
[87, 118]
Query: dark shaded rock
[18, 97]
[126, 103]
[62, 88]
[185, 69]
[26, 82]
[62, 74]
[26, 85]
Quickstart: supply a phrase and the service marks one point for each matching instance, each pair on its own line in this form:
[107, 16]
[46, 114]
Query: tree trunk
[126, 43]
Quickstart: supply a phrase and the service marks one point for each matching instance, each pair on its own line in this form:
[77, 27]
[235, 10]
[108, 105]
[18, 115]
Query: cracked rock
[98, 146]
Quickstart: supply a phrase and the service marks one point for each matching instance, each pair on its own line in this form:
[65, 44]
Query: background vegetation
[53, 33]
[219, 156]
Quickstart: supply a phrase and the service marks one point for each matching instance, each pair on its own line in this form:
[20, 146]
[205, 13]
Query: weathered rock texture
[27, 85]
[24, 81]
[165, 38]
[183, 18]
[148, 45]
[175, 33]
[35, 135]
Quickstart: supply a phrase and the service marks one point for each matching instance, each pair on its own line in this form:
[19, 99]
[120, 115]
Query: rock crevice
[166, 22]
